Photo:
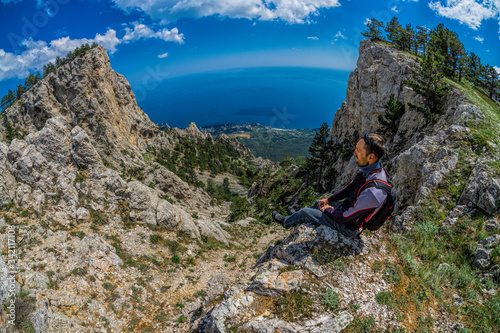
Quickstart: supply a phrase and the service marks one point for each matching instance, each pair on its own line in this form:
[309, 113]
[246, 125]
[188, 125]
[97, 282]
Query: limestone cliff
[88, 93]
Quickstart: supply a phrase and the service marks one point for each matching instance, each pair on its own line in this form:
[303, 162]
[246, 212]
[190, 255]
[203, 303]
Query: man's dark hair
[375, 144]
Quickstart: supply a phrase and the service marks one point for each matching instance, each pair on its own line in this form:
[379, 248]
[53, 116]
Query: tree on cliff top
[374, 29]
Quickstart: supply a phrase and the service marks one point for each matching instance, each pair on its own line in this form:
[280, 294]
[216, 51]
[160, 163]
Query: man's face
[360, 153]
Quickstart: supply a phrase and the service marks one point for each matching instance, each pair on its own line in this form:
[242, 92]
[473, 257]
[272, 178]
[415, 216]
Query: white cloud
[164, 55]
[497, 69]
[142, 31]
[367, 21]
[291, 11]
[339, 35]
[313, 38]
[395, 9]
[479, 39]
[468, 12]
[39, 53]
[36, 54]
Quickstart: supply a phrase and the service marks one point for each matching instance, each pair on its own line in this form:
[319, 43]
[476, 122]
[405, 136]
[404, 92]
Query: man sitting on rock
[348, 216]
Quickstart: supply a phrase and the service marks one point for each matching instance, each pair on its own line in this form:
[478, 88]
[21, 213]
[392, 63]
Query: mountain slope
[104, 230]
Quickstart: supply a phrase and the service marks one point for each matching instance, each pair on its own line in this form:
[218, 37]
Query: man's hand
[322, 202]
[323, 207]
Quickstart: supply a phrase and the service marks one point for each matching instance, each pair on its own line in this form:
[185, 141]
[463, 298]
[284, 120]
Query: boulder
[482, 190]
[491, 224]
[82, 151]
[44, 319]
[307, 245]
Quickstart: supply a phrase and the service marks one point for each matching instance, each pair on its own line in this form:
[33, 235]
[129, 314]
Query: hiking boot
[278, 218]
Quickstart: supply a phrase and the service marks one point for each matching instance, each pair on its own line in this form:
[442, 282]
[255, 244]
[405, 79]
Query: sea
[280, 97]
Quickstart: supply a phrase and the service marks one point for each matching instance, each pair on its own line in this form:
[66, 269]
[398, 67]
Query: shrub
[176, 259]
[79, 271]
[307, 198]
[384, 298]
[98, 217]
[155, 238]
[295, 305]
[331, 299]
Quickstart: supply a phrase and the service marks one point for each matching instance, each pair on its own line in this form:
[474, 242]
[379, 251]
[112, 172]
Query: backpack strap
[387, 187]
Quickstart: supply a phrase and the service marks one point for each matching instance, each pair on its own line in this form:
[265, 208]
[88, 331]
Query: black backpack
[384, 213]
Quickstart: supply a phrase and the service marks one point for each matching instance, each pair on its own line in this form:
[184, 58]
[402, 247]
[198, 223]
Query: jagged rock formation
[304, 247]
[87, 93]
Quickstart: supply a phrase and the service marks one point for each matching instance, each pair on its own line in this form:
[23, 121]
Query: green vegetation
[361, 325]
[390, 119]
[295, 305]
[11, 132]
[321, 151]
[203, 155]
[418, 278]
[427, 82]
[331, 299]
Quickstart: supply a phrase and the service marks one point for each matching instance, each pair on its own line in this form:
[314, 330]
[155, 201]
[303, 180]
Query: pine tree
[456, 51]
[11, 97]
[422, 38]
[427, 82]
[410, 39]
[474, 66]
[31, 80]
[4, 102]
[390, 119]
[20, 90]
[374, 30]
[462, 66]
[491, 80]
[319, 153]
[445, 45]
[393, 30]
[49, 68]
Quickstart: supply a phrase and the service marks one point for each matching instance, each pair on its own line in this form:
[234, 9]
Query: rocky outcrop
[240, 148]
[96, 204]
[295, 265]
[88, 93]
[420, 155]
[482, 189]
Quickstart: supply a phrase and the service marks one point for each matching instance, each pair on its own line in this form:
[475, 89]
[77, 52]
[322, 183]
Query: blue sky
[149, 41]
